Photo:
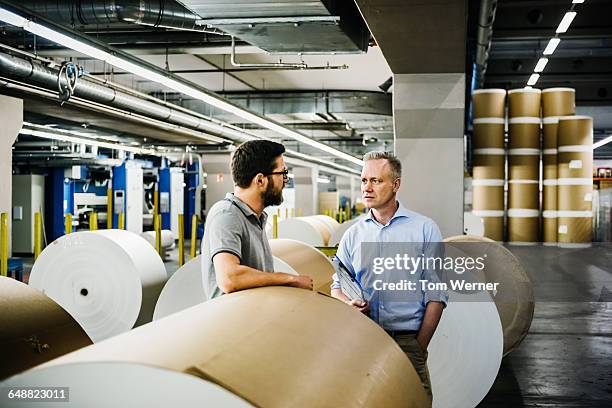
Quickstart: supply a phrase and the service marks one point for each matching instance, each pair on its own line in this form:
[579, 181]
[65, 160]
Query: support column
[11, 117]
[219, 178]
[306, 189]
[428, 112]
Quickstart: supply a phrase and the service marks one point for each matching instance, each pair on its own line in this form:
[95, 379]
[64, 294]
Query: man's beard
[271, 197]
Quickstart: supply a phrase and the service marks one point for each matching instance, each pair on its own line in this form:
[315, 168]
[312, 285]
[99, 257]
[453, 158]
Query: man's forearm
[244, 277]
[431, 318]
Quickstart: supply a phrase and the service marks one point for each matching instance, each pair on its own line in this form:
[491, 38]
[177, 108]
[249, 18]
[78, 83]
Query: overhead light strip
[118, 62]
[533, 79]
[89, 142]
[602, 142]
[565, 22]
[552, 46]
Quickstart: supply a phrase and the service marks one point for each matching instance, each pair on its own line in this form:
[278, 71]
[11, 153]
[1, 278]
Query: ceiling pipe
[486, 18]
[152, 13]
[37, 74]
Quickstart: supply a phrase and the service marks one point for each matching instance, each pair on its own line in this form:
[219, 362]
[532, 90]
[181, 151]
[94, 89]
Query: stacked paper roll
[305, 260]
[34, 329]
[108, 280]
[243, 340]
[575, 183]
[523, 165]
[334, 240]
[488, 159]
[556, 102]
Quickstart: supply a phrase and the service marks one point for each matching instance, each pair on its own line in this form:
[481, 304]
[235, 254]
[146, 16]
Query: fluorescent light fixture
[153, 76]
[79, 140]
[602, 142]
[540, 65]
[290, 175]
[552, 46]
[577, 1]
[533, 79]
[323, 180]
[566, 21]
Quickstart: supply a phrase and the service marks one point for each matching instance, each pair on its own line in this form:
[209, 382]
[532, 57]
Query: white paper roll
[184, 289]
[108, 280]
[167, 238]
[465, 352]
[301, 230]
[123, 384]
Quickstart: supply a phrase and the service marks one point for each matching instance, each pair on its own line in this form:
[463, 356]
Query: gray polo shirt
[232, 226]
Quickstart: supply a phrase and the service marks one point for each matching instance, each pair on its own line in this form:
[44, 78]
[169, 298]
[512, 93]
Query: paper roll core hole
[84, 292]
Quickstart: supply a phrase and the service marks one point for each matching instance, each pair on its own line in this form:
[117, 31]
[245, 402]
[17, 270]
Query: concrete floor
[566, 359]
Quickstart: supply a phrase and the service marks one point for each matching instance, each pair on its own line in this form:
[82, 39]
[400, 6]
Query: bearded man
[235, 250]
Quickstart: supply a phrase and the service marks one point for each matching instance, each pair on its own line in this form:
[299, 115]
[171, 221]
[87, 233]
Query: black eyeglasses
[285, 173]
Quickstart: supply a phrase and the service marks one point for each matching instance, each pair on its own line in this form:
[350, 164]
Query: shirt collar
[246, 210]
[400, 212]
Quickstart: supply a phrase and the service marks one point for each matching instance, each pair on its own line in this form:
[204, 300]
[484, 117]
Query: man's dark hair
[253, 157]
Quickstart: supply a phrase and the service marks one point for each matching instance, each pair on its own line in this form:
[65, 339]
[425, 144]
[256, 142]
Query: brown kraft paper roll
[549, 133]
[489, 103]
[549, 229]
[575, 198]
[575, 130]
[277, 333]
[524, 102]
[488, 197]
[549, 166]
[523, 229]
[549, 198]
[575, 164]
[524, 135]
[575, 230]
[523, 167]
[488, 135]
[558, 102]
[486, 166]
[494, 228]
[523, 195]
[35, 329]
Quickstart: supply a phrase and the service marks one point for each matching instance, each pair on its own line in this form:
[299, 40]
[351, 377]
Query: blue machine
[59, 200]
[192, 181]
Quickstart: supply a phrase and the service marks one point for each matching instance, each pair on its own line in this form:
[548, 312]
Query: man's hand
[302, 282]
[362, 306]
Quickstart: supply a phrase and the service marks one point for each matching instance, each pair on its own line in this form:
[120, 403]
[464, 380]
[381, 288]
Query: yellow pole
[156, 201]
[109, 208]
[286, 213]
[194, 235]
[181, 240]
[93, 221]
[278, 212]
[157, 226]
[68, 223]
[299, 212]
[340, 215]
[292, 212]
[275, 226]
[4, 251]
[121, 221]
[348, 212]
[37, 234]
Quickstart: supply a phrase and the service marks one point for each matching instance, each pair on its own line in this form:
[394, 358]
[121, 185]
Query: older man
[235, 250]
[410, 319]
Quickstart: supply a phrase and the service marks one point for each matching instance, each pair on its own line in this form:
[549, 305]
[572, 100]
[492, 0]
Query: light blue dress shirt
[408, 227]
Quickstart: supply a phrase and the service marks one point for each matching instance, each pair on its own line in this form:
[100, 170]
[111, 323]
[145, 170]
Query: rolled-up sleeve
[433, 247]
[224, 234]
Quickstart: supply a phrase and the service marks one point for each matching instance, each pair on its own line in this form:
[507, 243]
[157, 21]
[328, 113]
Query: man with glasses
[235, 250]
